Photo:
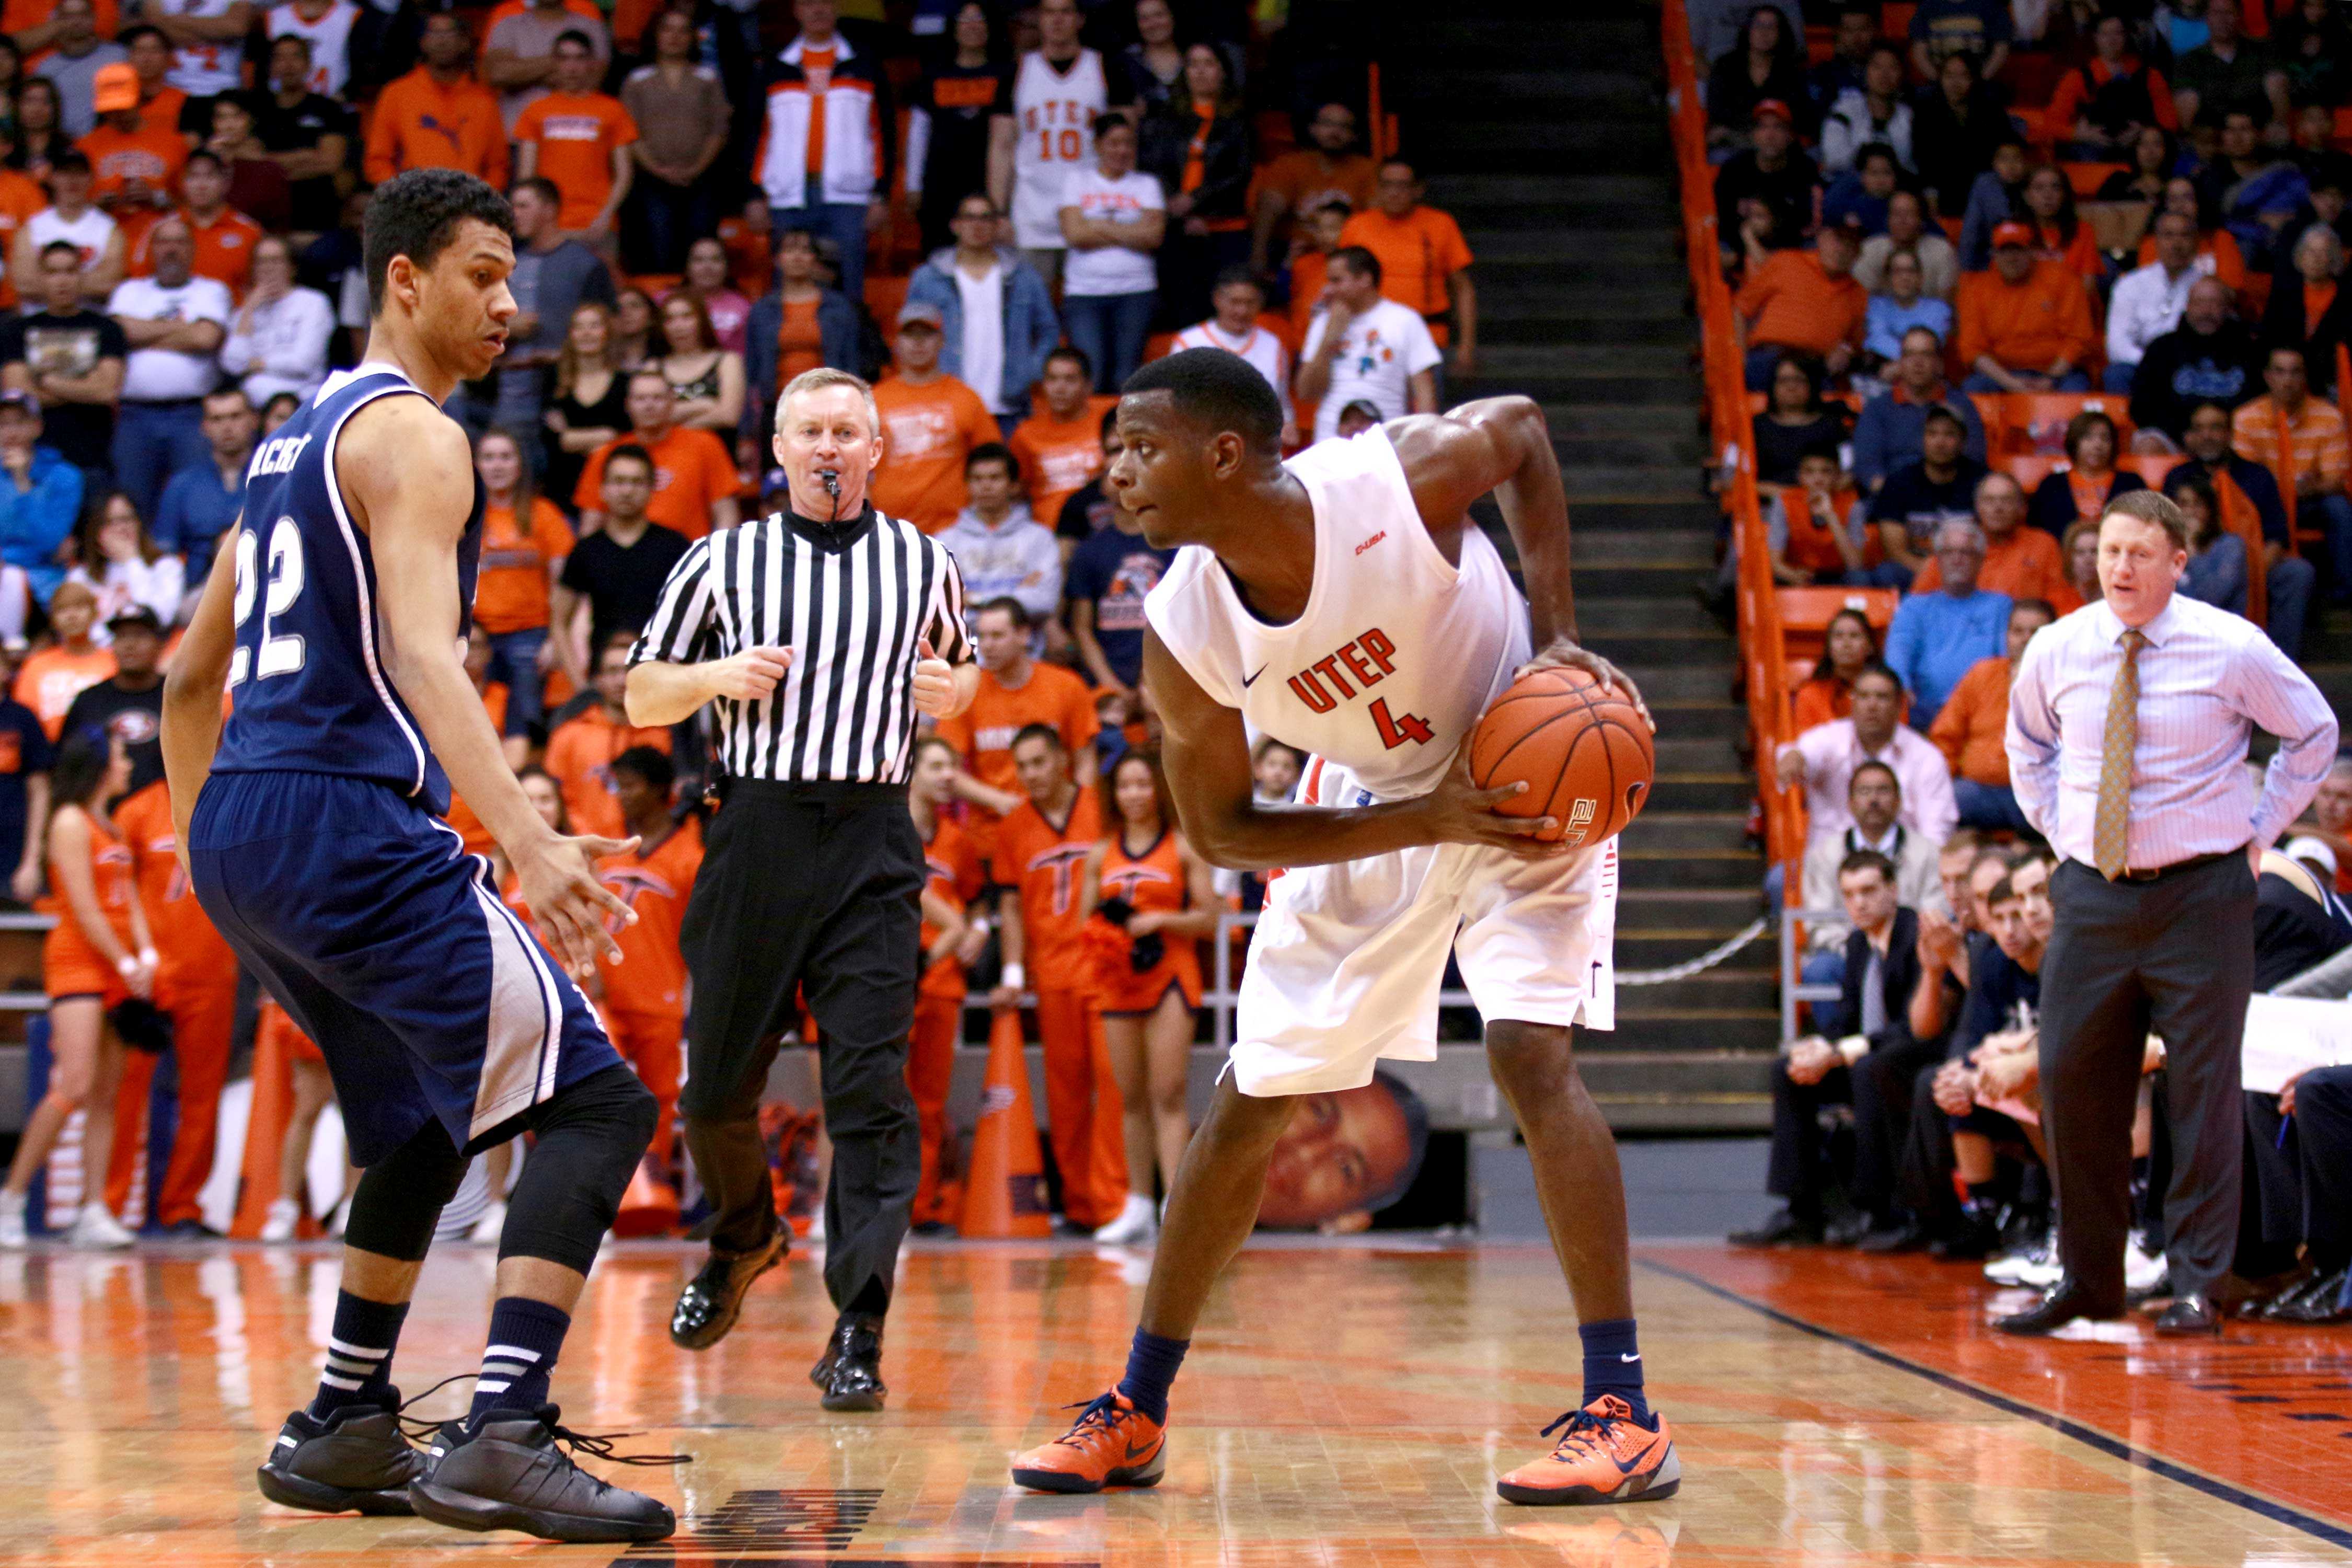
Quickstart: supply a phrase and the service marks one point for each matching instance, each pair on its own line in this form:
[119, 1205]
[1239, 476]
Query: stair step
[1577, 93]
[1694, 682]
[1551, 357]
[1724, 987]
[1680, 868]
[1571, 418]
[1695, 513]
[1684, 1028]
[1712, 793]
[1650, 317]
[1652, 246]
[1598, 545]
[1569, 268]
[1685, 450]
[1656, 830]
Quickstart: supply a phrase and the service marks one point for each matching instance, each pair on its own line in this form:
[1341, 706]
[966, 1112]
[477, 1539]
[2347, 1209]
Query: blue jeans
[670, 219]
[1109, 329]
[2289, 585]
[844, 223]
[152, 441]
[514, 658]
[2073, 381]
[2118, 379]
[1885, 574]
[1826, 968]
[1988, 805]
[2335, 519]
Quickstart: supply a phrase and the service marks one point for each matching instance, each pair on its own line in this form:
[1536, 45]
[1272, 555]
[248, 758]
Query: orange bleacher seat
[2030, 469]
[2086, 178]
[1895, 20]
[1952, 227]
[2150, 467]
[1805, 614]
[884, 295]
[2032, 76]
[1820, 43]
[2036, 421]
[2032, 126]
[1988, 415]
[1158, 345]
[656, 284]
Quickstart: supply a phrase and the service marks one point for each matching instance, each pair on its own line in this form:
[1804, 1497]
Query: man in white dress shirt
[2128, 722]
[2148, 301]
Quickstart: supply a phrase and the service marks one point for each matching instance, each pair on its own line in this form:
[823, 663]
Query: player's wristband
[1015, 977]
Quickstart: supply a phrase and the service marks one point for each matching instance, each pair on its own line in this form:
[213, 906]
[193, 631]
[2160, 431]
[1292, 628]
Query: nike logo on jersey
[1246, 680]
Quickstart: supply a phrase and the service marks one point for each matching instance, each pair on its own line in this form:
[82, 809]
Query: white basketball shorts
[1347, 959]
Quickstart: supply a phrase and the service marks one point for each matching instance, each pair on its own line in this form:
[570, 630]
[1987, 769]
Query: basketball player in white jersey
[1344, 604]
[1058, 93]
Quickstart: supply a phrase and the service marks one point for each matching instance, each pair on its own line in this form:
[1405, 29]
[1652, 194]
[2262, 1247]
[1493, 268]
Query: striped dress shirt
[2206, 679]
[851, 600]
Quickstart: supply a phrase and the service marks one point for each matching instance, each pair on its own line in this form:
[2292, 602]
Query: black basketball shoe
[509, 1472]
[355, 1459]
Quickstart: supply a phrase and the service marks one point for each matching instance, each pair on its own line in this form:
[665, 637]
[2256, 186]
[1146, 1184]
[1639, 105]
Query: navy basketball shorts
[390, 947]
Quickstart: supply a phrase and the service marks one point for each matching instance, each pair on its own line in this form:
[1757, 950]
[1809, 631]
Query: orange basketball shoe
[1605, 1456]
[1112, 1444]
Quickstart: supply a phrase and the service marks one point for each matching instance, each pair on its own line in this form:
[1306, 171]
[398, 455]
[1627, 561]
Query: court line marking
[2114, 1447]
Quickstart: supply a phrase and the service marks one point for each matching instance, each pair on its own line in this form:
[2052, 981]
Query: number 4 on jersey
[1395, 732]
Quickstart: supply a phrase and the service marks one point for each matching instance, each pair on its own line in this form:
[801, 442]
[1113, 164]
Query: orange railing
[1762, 660]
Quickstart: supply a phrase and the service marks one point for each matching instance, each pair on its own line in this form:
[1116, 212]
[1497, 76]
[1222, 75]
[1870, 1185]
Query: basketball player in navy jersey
[1344, 604]
[311, 827]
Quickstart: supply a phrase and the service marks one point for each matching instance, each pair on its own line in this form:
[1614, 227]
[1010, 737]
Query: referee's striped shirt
[851, 600]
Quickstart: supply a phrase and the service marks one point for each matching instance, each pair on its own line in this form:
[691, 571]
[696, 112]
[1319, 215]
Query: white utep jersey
[1056, 114]
[1397, 654]
[329, 38]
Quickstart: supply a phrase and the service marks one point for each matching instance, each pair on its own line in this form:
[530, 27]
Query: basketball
[1583, 753]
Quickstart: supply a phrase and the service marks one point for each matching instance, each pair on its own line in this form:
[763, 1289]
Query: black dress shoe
[355, 1459]
[2325, 1299]
[2055, 1311]
[1783, 1229]
[1847, 1229]
[1904, 1236]
[850, 1370]
[713, 1298]
[2193, 1313]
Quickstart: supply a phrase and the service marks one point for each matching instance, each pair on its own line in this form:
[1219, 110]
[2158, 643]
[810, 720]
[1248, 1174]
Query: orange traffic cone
[650, 1205]
[1004, 1191]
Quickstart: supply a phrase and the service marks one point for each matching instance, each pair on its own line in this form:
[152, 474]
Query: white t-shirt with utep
[1111, 269]
[1381, 353]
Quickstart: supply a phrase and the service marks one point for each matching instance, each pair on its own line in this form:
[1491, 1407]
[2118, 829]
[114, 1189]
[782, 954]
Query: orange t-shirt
[800, 341]
[506, 8]
[983, 732]
[2024, 563]
[49, 680]
[953, 873]
[1418, 253]
[223, 250]
[1791, 301]
[1301, 179]
[926, 433]
[747, 264]
[692, 469]
[577, 135]
[580, 754]
[154, 152]
[1047, 864]
[2316, 298]
[1970, 725]
[1820, 701]
[2079, 255]
[650, 976]
[20, 197]
[510, 591]
[187, 947]
[422, 124]
[1059, 456]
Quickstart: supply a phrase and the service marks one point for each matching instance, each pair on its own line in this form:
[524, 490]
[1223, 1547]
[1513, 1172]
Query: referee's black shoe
[355, 1459]
[713, 1298]
[2061, 1307]
[850, 1371]
[510, 1471]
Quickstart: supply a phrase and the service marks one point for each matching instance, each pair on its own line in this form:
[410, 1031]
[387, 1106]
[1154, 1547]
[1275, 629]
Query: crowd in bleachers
[1996, 263]
[994, 211]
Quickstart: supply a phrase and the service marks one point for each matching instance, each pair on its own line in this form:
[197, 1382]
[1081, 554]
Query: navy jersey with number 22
[307, 681]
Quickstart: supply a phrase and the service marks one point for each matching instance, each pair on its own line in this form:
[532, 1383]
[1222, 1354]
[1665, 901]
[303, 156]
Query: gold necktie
[2116, 762]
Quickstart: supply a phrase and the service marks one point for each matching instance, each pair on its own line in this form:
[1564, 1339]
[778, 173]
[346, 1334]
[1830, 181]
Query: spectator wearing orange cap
[134, 156]
[1771, 189]
[2025, 326]
[1805, 302]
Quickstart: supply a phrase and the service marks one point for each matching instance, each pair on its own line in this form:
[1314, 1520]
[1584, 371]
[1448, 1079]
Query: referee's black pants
[2175, 954]
[814, 886]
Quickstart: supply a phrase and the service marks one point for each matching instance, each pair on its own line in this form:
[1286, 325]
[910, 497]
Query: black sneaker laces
[1100, 1411]
[599, 1443]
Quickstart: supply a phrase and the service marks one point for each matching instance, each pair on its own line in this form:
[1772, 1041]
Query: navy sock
[1612, 1365]
[1151, 1364]
[525, 1336]
[359, 1354]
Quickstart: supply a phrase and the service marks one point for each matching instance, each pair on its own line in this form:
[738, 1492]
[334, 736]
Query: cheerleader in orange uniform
[949, 942]
[98, 955]
[1148, 1013]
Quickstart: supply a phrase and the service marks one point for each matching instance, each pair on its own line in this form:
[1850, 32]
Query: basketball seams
[1597, 712]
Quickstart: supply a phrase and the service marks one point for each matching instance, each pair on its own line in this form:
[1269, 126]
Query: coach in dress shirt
[1825, 756]
[2128, 729]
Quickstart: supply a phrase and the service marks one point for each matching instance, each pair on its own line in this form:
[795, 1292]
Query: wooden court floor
[1346, 1404]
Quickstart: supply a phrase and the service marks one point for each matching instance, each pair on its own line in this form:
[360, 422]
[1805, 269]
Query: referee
[2128, 723]
[818, 633]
